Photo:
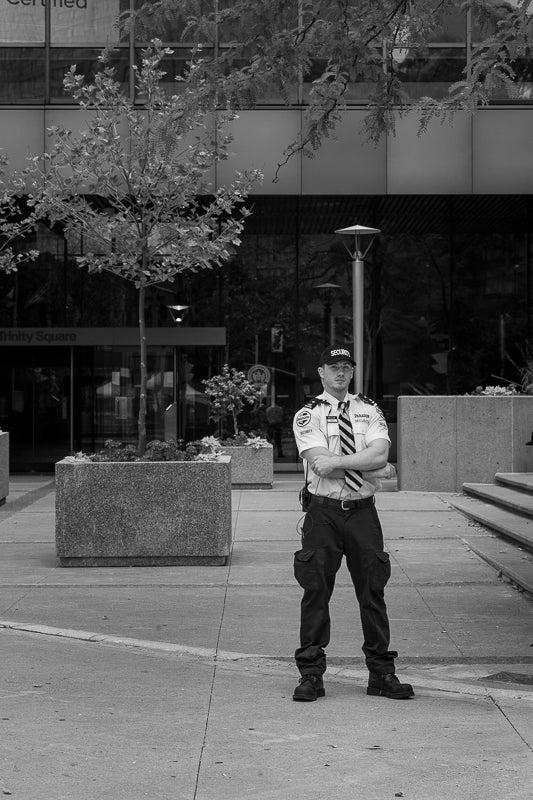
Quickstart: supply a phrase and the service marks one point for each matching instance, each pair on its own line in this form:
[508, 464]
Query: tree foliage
[150, 165]
[254, 46]
[228, 393]
[14, 224]
[135, 182]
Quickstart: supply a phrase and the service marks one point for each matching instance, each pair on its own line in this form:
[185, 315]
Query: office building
[448, 279]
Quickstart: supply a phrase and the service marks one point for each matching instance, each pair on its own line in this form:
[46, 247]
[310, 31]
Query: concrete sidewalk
[176, 682]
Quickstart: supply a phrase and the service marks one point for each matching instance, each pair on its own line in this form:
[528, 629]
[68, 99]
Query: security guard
[341, 436]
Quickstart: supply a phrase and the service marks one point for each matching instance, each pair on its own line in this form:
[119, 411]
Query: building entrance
[71, 389]
[107, 391]
[35, 408]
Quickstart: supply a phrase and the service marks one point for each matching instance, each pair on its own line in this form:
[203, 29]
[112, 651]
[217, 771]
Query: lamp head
[176, 312]
[357, 231]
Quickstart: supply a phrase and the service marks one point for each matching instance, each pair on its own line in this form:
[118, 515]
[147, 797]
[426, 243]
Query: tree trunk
[141, 444]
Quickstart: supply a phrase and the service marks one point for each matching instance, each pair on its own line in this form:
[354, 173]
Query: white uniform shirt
[316, 425]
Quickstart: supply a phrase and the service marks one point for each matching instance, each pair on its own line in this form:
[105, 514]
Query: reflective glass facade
[448, 283]
[39, 40]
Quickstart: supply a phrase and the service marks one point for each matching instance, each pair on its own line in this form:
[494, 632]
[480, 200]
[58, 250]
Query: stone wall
[445, 441]
[251, 467]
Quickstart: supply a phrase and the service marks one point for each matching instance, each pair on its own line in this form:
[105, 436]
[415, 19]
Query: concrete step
[506, 508]
[510, 551]
[523, 481]
[508, 497]
[515, 527]
[510, 561]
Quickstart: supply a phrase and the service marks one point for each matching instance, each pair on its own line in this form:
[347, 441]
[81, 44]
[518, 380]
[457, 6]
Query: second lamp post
[358, 294]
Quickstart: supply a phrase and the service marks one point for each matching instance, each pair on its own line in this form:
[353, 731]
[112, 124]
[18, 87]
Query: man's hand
[323, 465]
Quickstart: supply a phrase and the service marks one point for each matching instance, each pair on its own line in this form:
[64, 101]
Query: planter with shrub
[172, 508]
[252, 456]
[252, 459]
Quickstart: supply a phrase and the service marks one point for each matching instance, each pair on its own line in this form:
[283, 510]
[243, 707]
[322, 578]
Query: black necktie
[351, 476]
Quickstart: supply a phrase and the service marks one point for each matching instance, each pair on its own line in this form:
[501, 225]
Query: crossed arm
[325, 463]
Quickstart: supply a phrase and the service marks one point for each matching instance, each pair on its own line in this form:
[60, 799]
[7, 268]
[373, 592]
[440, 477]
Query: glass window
[429, 70]
[173, 66]
[110, 395]
[360, 88]
[22, 75]
[243, 39]
[78, 23]
[195, 364]
[108, 388]
[34, 295]
[266, 92]
[84, 300]
[233, 26]
[485, 24]
[35, 405]
[22, 23]
[520, 90]
[86, 60]
[452, 28]
[169, 25]
[485, 17]
[442, 313]
[267, 89]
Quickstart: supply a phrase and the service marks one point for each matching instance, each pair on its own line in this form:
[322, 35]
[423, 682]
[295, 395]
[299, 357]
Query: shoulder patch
[303, 418]
[366, 399]
[315, 401]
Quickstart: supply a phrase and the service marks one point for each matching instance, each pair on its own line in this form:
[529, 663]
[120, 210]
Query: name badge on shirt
[331, 418]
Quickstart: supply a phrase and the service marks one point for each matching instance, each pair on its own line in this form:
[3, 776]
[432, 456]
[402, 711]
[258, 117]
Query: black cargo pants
[329, 533]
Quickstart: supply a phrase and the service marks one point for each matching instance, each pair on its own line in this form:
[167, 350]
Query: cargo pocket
[305, 570]
[382, 571]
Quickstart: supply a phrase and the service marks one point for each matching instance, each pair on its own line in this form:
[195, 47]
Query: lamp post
[327, 290]
[358, 296]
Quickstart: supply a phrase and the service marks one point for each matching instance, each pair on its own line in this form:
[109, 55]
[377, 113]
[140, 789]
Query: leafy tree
[135, 183]
[14, 224]
[263, 45]
[228, 393]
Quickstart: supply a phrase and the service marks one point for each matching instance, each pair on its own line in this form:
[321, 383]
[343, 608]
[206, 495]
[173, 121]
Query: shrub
[228, 393]
[156, 450]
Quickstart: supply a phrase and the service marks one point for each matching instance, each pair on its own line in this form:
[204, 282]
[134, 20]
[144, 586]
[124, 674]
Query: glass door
[108, 385]
[35, 406]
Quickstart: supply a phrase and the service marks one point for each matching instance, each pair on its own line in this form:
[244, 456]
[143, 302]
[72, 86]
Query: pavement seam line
[215, 664]
[149, 644]
[500, 709]
[429, 684]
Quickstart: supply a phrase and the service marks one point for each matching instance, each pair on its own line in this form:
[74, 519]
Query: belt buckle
[343, 507]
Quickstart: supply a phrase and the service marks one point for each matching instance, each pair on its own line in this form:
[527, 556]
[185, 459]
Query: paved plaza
[175, 683]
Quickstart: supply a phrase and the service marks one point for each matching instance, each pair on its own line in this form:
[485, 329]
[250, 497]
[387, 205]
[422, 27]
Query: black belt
[345, 505]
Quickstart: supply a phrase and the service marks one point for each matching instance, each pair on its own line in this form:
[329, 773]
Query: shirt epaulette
[366, 399]
[315, 401]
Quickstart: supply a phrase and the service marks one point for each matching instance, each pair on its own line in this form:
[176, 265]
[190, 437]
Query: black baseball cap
[333, 354]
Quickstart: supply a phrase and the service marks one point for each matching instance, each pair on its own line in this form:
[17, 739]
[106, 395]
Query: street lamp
[358, 297]
[177, 313]
[326, 290]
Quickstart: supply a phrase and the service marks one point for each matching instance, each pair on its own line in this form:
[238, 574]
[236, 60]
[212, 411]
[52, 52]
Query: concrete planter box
[251, 468]
[4, 466]
[143, 513]
[445, 441]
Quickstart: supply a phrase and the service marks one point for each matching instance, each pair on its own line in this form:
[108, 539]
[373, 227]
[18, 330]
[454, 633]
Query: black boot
[389, 686]
[309, 688]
